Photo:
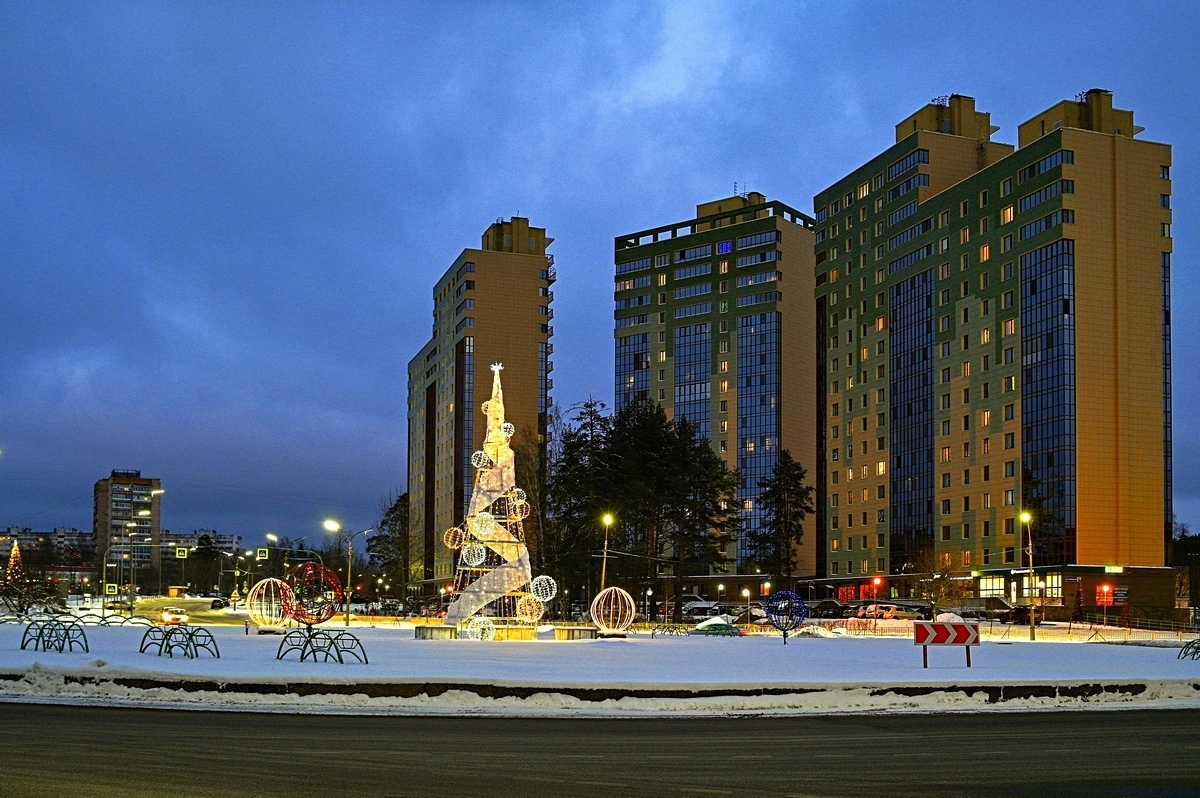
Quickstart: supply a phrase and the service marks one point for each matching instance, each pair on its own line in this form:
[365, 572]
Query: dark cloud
[220, 224]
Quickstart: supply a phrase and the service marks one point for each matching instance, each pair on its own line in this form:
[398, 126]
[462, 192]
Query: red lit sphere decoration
[316, 593]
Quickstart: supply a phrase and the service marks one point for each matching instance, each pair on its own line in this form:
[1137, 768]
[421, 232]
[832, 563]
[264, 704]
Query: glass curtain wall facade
[702, 314]
[998, 305]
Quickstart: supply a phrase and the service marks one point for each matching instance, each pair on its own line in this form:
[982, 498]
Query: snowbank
[633, 676]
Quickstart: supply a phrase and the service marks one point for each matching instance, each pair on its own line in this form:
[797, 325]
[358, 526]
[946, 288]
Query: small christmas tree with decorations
[15, 574]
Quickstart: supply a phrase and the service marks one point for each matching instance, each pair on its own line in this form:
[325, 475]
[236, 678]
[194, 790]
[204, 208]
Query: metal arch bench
[349, 644]
[322, 643]
[32, 635]
[1190, 651]
[178, 639]
[202, 640]
[75, 636]
[321, 646]
[292, 641]
[54, 636]
[189, 641]
[153, 639]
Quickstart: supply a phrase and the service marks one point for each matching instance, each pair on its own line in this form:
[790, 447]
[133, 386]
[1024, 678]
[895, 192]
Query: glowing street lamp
[333, 526]
[875, 583]
[607, 519]
[1106, 589]
[746, 596]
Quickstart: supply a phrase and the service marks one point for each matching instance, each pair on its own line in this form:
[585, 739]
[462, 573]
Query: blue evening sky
[220, 223]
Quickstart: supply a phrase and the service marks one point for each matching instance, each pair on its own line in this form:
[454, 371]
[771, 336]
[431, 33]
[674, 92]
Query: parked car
[987, 607]
[1021, 615]
[173, 616]
[826, 608]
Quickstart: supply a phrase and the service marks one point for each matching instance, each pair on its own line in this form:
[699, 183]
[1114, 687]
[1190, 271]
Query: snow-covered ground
[633, 676]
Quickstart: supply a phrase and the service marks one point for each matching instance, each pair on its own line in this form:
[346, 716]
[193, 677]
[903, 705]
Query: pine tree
[786, 501]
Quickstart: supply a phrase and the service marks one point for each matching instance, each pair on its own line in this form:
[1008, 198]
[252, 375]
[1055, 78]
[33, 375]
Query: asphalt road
[89, 752]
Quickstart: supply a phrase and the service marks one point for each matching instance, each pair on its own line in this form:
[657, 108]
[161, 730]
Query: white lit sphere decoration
[508, 429]
[483, 525]
[473, 554]
[518, 494]
[265, 602]
[543, 588]
[454, 538]
[530, 609]
[481, 628]
[480, 460]
[613, 610]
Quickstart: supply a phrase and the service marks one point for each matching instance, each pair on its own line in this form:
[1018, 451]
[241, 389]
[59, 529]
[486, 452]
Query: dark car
[826, 608]
[1021, 615]
[219, 604]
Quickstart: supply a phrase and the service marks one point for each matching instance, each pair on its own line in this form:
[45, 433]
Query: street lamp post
[334, 526]
[1104, 604]
[746, 595]
[1025, 519]
[607, 519]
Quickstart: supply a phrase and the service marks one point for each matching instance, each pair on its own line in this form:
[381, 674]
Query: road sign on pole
[930, 633]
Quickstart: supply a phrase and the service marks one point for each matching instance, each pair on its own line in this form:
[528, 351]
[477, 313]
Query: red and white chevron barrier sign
[930, 633]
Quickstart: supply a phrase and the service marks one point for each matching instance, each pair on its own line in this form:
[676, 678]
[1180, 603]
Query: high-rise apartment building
[126, 521]
[493, 305]
[714, 319]
[994, 334]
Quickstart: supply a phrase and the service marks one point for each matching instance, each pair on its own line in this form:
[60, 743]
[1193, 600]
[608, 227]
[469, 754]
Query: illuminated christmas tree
[15, 574]
[493, 561]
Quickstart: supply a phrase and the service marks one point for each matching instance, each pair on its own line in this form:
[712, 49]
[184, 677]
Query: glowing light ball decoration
[530, 610]
[786, 611]
[267, 601]
[473, 554]
[454, 537]
[543, 588]
[613, 610]
[316, 593]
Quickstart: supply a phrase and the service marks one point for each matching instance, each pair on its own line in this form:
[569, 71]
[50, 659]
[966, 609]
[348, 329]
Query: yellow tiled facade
[493, 305]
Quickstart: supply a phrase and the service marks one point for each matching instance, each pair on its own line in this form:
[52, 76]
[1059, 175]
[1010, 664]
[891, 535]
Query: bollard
[247, 628]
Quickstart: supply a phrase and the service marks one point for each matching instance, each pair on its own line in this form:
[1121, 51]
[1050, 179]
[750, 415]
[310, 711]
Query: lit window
[1010, 326]
[881, 468]
[1006, 215]
[985, 252]
[985, 335]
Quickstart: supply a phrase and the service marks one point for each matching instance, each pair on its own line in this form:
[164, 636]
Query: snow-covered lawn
[733, 674]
